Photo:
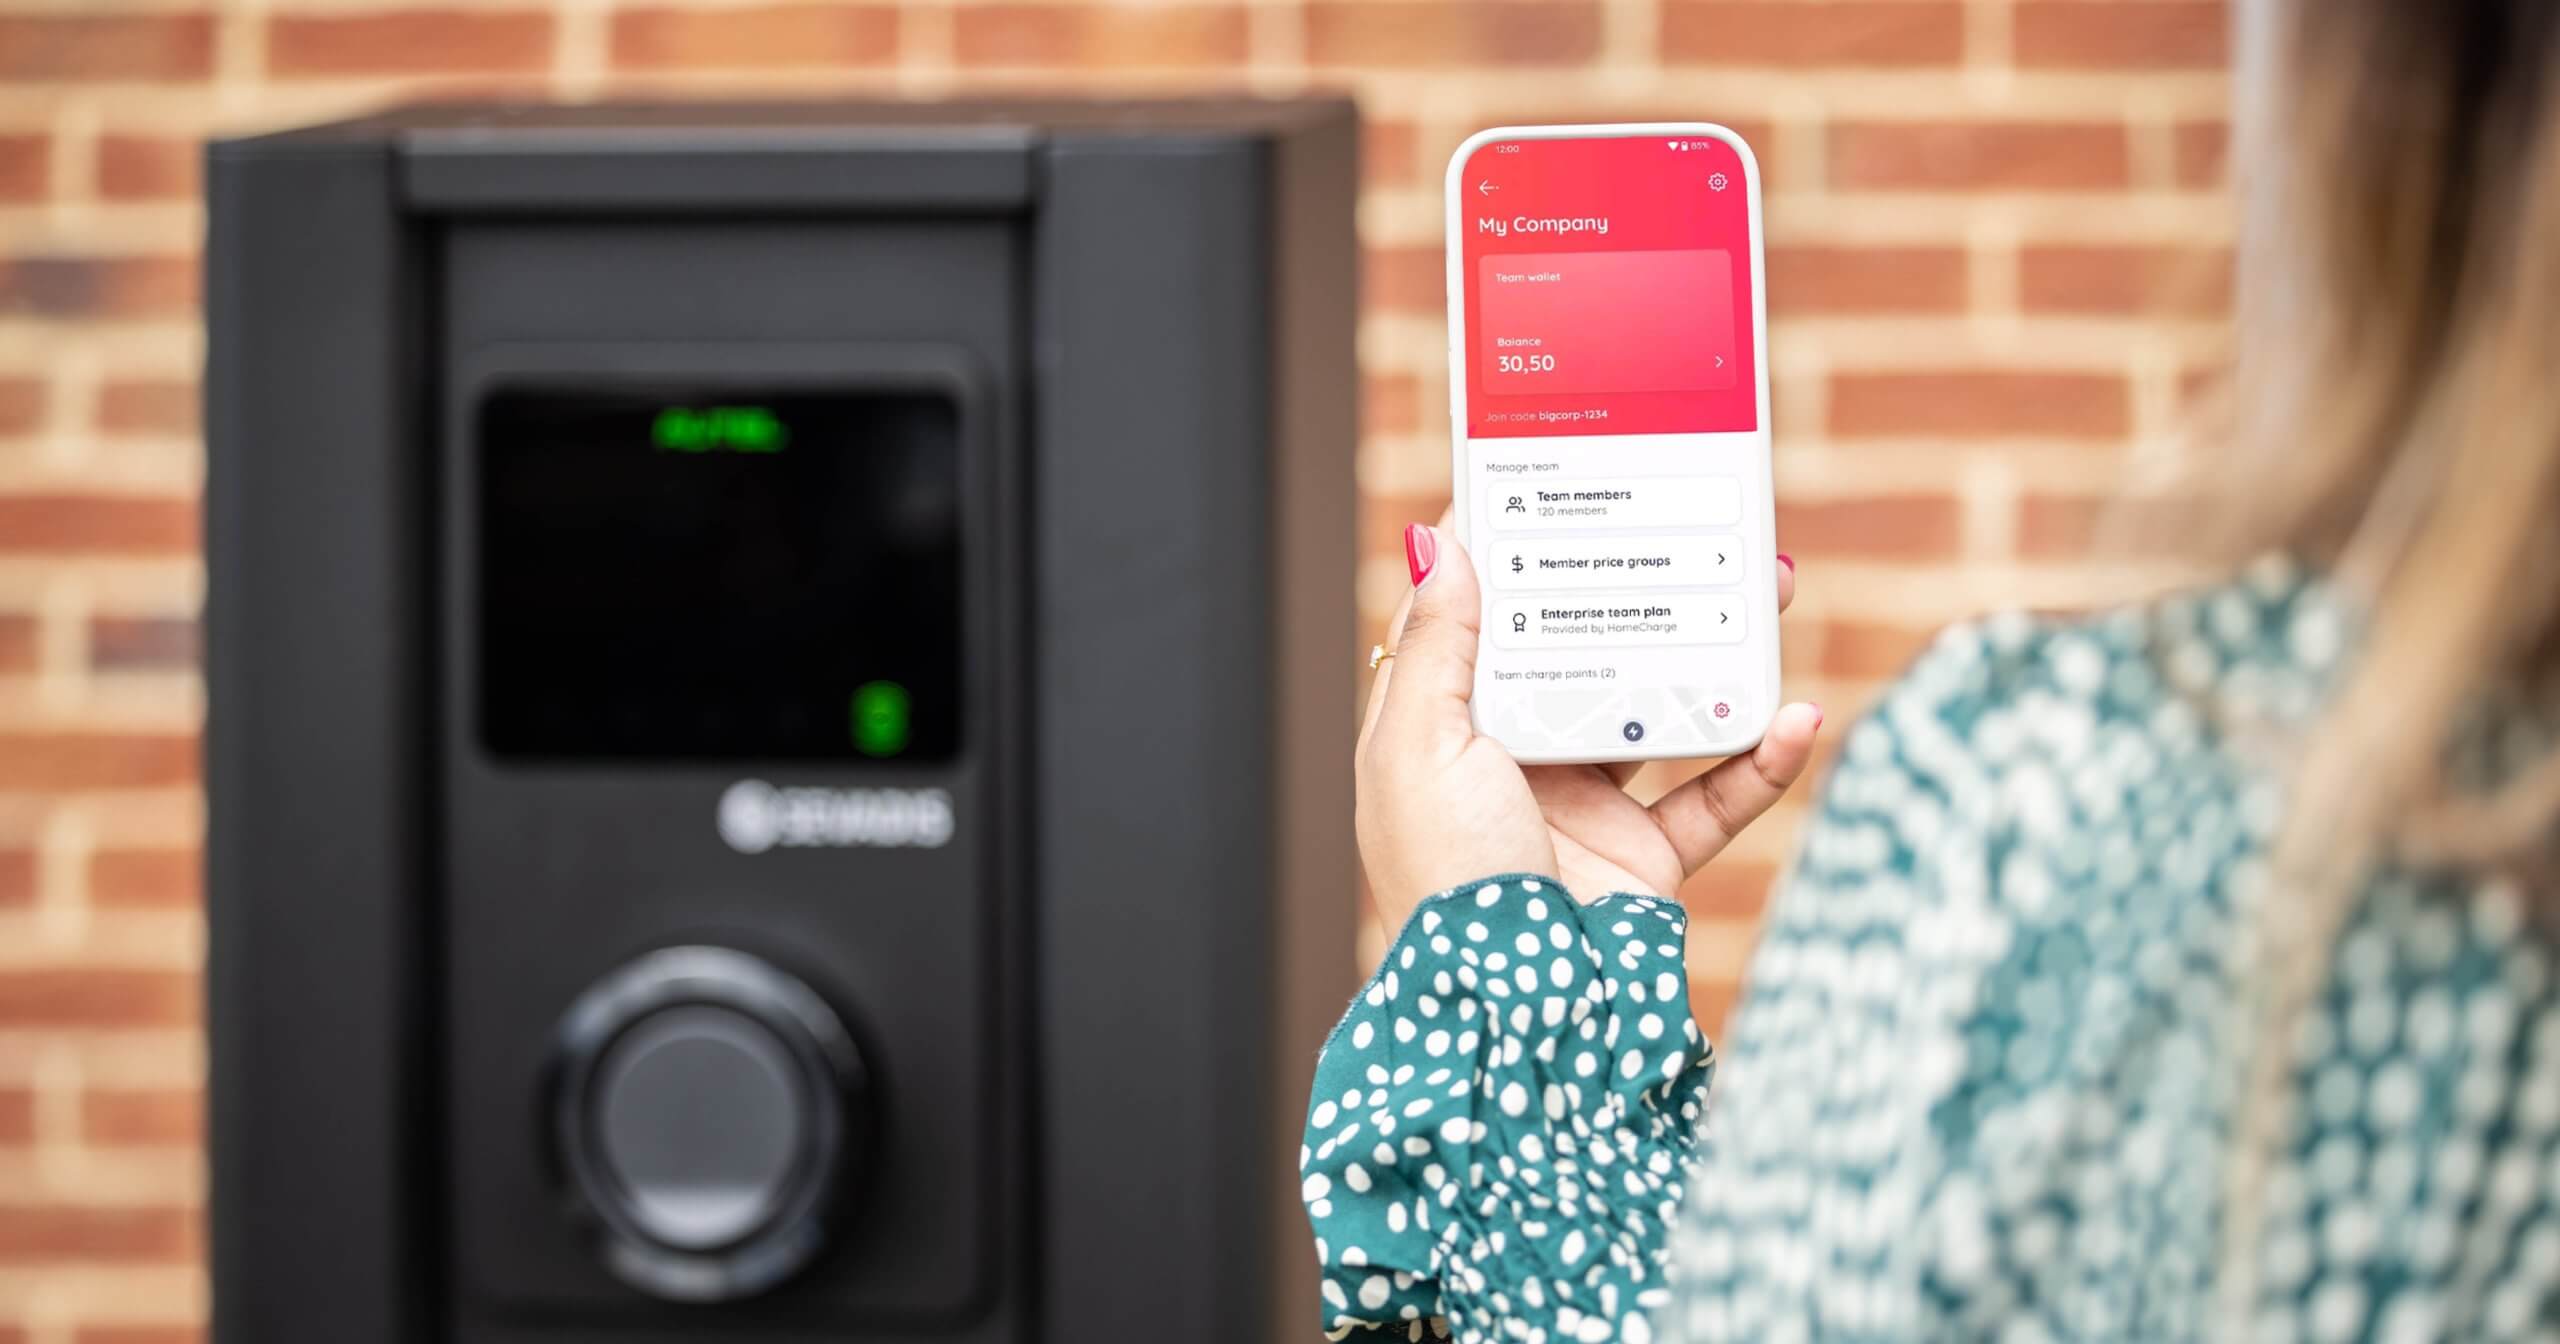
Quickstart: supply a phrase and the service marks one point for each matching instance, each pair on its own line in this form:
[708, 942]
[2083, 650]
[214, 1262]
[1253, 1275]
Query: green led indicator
[718, 429]
[882, 718]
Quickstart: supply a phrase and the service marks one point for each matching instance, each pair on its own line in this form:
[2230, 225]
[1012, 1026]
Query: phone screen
[1612, 441]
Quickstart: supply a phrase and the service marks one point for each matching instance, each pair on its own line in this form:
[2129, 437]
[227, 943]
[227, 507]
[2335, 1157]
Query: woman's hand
[1438, 804]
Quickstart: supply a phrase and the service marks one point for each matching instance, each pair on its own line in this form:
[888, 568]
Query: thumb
[1436, 656]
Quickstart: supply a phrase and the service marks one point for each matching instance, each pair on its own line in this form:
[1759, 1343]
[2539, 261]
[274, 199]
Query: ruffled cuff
[1501, 1122]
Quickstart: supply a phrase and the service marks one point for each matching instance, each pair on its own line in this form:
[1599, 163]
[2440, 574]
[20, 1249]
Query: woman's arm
[1501, 1123]
[1498, 1128]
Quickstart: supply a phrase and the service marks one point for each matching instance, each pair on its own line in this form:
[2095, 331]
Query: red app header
[1608, 287]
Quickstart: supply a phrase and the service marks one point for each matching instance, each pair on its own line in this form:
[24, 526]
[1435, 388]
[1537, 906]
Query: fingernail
[1817, 712]
[1788, 560]
[1421, 552]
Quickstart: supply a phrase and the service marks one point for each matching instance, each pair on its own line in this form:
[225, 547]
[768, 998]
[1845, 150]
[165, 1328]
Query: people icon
[1515, 506]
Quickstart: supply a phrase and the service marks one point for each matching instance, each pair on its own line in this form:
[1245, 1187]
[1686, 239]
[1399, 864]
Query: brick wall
[1995, 238]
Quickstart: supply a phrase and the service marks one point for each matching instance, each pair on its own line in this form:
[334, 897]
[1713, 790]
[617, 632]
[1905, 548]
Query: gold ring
[1379, 653]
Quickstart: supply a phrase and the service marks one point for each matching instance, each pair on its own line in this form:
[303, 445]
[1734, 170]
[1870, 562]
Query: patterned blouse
[1988, 1057]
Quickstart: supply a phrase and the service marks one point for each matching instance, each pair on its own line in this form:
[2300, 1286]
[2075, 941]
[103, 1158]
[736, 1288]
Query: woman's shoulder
[1985, 999]
[2038, 720]
[2045, 808]
[2257, 649]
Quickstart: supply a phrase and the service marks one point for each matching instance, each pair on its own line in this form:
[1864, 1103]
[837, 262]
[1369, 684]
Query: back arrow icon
[1486, 188]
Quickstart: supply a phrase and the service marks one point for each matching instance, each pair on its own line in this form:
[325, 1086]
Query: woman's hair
[2395, 405]
[2394, 416]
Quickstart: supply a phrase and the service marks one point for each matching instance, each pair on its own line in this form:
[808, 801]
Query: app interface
[1615, 448]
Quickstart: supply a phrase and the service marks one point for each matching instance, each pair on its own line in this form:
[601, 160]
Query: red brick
[1728, 889]
[758, 36]
[142, 643]
[142, 1118]
[1978, 404]
[1892, 526]
[21, 405]
[1796, 656]
[1979, 156]
[17, 647]
[102, 287]
[2202, 381]
[1089, 37]
[2203, 149]
[111, 524]
[17, 1117]
[1826, 753]
[53, 762]
[2051, 525]
[147, 406]
[1870, 650]
[105, 46]
[146, 879]
[147, 168]
[410, 42]
[2188, 281]
[94, 997]
[1791, 33]
[1390, 154]
[53, 1233]
[17, 878]
[1452, 34]
[1390, 403]
[26, 167]
[2150, 35]
[1711, 1004]
[1409, 280]
[1816, 279]
[2071, 527]
[1383, 519]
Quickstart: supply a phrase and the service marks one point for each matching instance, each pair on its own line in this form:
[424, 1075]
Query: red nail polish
[1421, 552]
[1787, 560]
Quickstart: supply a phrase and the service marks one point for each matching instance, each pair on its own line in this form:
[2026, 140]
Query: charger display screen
[701, 572]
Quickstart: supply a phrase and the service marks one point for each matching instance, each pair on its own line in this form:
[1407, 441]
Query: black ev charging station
[779, 687]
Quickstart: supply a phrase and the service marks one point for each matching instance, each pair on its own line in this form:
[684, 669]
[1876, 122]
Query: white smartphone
[1609, 445]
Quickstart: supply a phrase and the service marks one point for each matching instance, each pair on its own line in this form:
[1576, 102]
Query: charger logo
[756, 816]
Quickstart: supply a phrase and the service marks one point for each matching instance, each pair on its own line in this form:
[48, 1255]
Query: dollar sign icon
[1515, 564]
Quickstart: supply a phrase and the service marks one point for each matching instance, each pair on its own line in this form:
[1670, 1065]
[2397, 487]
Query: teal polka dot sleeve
[1501, 1122]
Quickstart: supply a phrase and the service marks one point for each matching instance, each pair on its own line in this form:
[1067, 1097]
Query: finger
[1436, 653]
[1702, 816]
[1387, 667]
[1786, 581]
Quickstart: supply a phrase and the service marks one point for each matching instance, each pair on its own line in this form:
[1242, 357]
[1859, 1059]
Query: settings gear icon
[1718, 182]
